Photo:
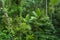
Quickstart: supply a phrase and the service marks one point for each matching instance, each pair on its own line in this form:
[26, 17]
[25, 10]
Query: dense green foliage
[29, 20]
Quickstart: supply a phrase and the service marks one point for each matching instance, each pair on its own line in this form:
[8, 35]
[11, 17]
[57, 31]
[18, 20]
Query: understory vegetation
[29, 19]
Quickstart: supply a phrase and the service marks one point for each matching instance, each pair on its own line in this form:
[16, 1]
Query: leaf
[54, 2]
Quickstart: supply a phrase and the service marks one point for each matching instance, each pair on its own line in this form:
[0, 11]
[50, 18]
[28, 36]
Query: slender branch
[46, 8]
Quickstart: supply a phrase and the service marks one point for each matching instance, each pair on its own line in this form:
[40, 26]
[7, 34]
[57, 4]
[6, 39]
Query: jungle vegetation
[29, 19]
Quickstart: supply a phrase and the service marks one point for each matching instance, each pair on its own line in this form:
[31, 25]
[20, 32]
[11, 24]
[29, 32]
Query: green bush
[27, 20]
